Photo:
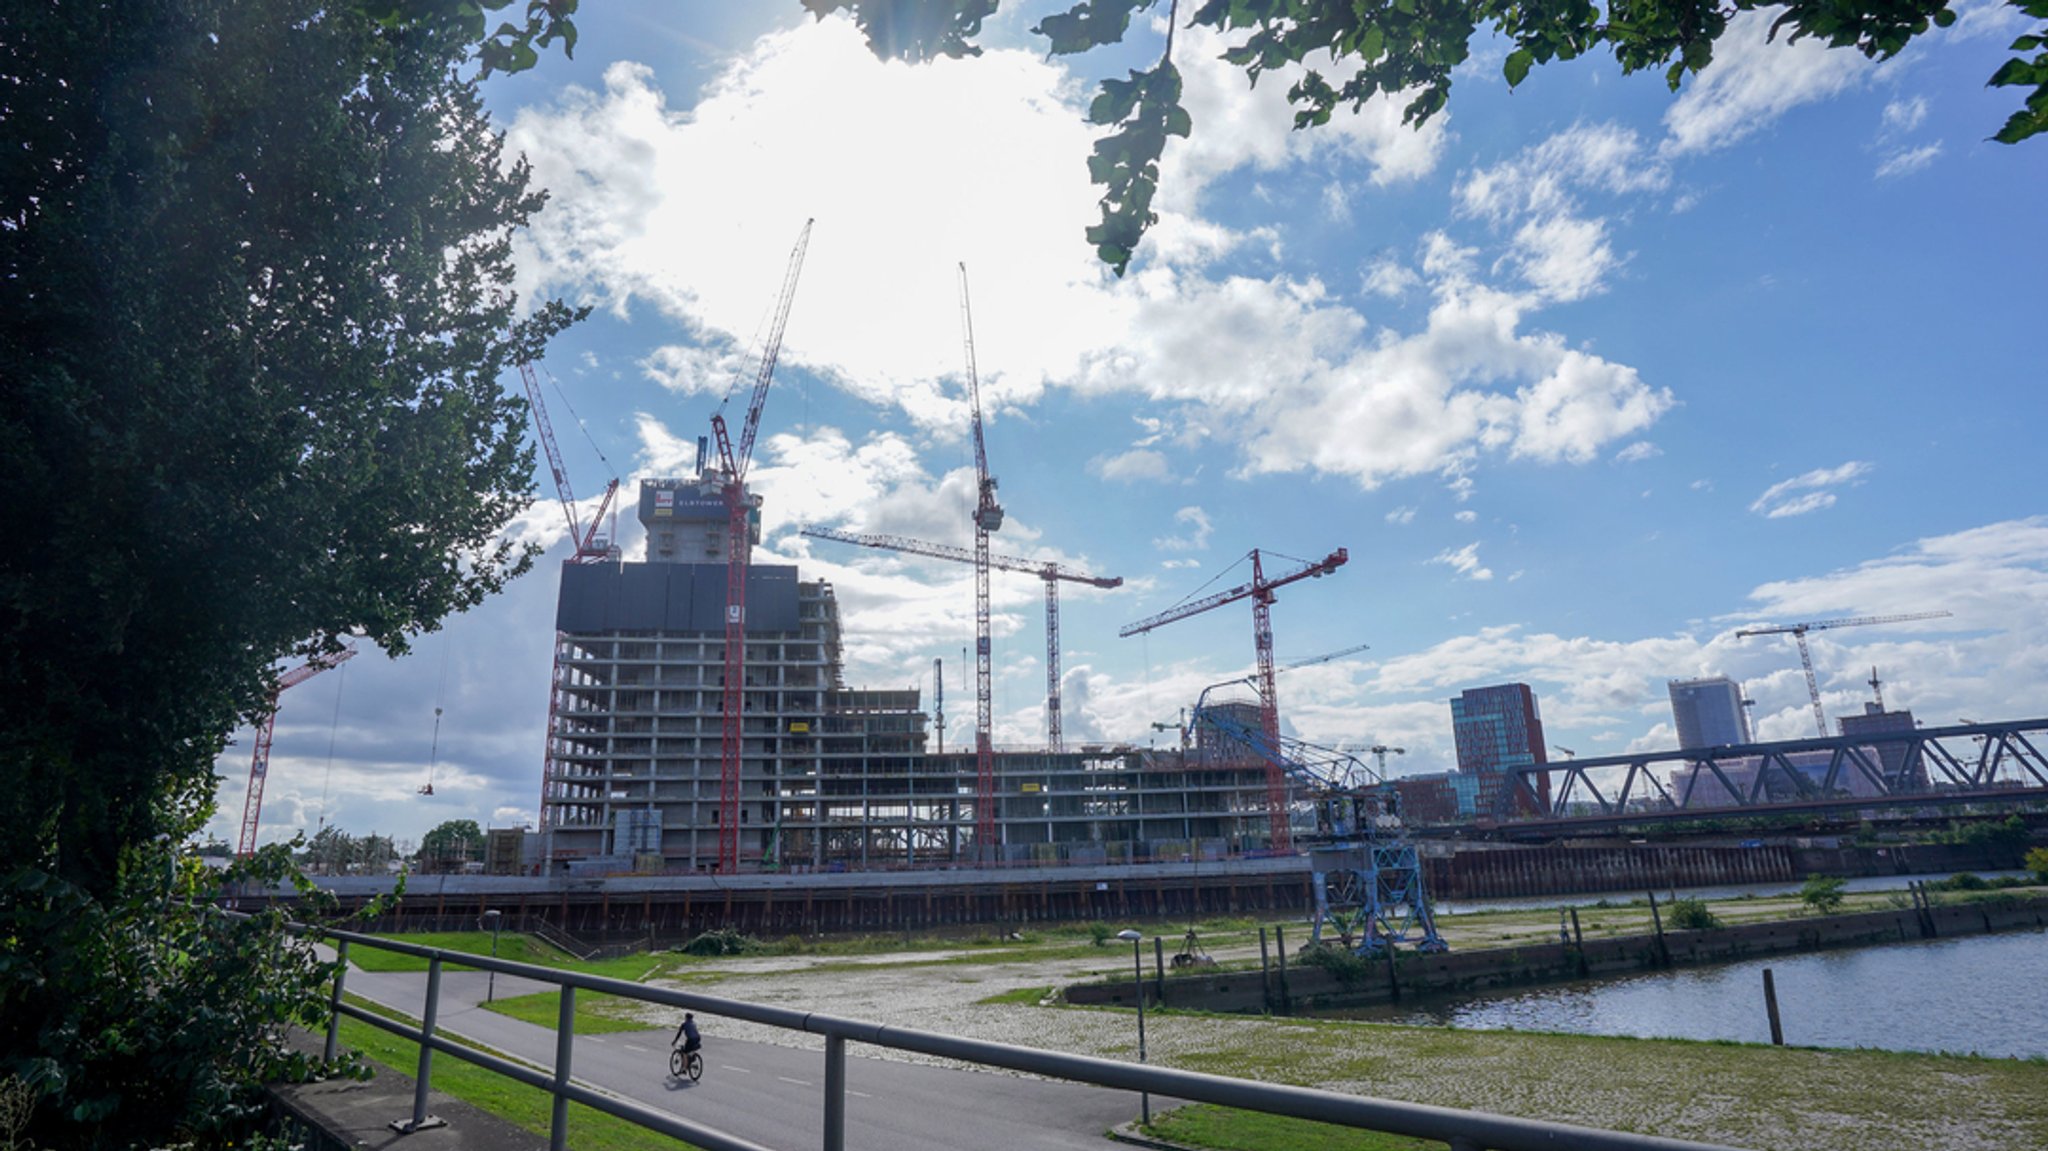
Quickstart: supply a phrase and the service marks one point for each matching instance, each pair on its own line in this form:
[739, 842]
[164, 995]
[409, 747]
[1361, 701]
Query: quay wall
[1307, 987]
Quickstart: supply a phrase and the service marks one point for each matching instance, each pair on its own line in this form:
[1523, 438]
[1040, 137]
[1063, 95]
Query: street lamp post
[1138, 985]
[492, 919]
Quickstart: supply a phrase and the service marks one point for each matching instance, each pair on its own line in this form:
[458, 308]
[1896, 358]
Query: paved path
[773, 1095]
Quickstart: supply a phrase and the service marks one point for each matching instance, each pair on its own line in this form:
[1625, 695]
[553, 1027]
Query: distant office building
[1498, 730]
[1904, 770]
[1708, 712]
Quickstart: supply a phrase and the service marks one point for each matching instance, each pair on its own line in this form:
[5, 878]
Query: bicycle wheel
[676, 1063]
[696, 1067]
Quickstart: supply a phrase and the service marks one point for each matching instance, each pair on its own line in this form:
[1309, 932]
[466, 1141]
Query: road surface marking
[798, 1082]
[641, 1050]
[730, 1067]
[862, 1094]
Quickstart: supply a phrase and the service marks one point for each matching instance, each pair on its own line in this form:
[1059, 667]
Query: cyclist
[687, 1034]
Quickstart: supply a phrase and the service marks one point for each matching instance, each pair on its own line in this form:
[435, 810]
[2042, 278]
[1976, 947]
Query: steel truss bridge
[1960, 764]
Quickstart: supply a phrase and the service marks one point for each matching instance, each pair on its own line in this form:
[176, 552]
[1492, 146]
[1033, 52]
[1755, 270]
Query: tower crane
[939, 701]
[1380, 751]
[1046, 570]
[1798, 632]
[589, 547]
[1260, 591]
[733, 463]
[988, 517]
[259, 764]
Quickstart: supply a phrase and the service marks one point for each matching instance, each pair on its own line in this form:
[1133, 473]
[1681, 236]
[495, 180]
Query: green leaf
[1517, 66]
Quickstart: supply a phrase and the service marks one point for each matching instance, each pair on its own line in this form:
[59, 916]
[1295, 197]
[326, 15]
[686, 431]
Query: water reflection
[1981, 995]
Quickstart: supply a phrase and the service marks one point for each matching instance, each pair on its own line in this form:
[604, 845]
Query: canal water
[1979, 994]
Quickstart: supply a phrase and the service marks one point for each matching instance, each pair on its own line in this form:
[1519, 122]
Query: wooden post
[1657, 922]
[1771, 1009]
[1578, 941]
[1159, 970]
[1265, 981]
[1280, 947]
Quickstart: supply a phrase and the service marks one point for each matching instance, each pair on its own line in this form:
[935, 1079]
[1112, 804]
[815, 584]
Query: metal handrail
[1460, 1130]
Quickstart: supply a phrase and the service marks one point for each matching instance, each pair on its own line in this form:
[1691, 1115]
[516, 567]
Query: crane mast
[939, 702]
[1261, 592]
[1798, 632]
[584, 541]
[988, 517]
[733, 462]
[1051, 573]
[259, 764]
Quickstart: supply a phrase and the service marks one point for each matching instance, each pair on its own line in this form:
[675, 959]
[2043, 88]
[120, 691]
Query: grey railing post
[835, 1093]
[334, 1002]
[565, 1044]
[423, 1083]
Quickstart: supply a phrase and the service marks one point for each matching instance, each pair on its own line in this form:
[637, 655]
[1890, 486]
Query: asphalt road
[774, 1095]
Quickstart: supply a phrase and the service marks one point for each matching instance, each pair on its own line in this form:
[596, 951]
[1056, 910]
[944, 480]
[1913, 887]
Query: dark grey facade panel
[643, 597]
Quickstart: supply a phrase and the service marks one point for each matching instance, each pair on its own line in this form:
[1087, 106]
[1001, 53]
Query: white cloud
[1637, 452]
[1467, 516]
[1195, 540]
[1752, 82]
[1907, 161]
[1389, 277]
[1562, 257]
[1136, 464]
[1401, 515]
[1903, 116]
[1464, 561]
[1808, 492]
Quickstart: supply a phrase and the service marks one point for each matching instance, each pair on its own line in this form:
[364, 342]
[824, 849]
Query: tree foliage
[254, 306]
[1354, 50]
[451, 844]
[1822, 894]
[255, 303]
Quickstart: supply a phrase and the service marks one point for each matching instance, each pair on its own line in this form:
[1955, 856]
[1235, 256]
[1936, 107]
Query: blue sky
[1586, 376]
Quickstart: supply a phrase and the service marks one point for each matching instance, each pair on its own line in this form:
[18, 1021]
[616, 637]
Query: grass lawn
[595, 1014]
[528, 1107]
[1203, 1125]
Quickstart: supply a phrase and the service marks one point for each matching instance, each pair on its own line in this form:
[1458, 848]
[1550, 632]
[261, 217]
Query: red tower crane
[733, 463]
[259, 765]
[1260, 591]
[988, 517]
[1798, 631]
[1045, 570]
[585, 540]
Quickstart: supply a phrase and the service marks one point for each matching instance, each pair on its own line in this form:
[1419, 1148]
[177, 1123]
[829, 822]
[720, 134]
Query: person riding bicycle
[687, 1034]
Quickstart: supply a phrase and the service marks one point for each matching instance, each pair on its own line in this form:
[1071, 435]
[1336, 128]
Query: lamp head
[1129, 936]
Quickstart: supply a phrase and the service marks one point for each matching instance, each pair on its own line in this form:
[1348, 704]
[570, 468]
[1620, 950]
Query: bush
[1693, 915]
[722, 941]
[2037, 862]
[1962, 881]
[1099, 933]
[1822, 894]
[1345, 966]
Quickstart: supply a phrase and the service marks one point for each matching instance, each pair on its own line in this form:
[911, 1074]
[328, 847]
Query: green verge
[511, 947]
[528, 1107]
[1205, 1125]
[595, 1014]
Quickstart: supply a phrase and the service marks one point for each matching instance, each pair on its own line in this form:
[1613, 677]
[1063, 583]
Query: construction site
[700, 719]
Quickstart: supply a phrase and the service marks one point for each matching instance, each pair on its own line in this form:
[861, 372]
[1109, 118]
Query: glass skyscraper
[1708, 712]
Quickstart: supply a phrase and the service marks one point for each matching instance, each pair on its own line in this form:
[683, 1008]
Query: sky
[1586, 377]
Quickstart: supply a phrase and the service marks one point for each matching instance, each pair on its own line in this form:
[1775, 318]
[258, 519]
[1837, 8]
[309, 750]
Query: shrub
[722, 941]
[1099, 933]
[1693, 915]
[1822, 894]
[1962, 881]
[1345, 966]
[2037, 862]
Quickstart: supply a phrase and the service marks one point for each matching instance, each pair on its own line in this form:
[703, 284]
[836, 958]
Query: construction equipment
[1191, 953]
[1045, 570]
[732, 463]
[1380, 751]
[1260, 591]
[259, 764]
[939, 702]
[1798, 632]
[1366, 875]
[590, 548]
[988, 517]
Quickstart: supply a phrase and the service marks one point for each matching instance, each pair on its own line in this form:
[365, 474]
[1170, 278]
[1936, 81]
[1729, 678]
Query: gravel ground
[1742, 1095]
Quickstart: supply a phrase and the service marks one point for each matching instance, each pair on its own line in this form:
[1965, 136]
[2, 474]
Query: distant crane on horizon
[1046, 570]
[1260, 591]
[259, 764]
[1798, 632]
[1380, 752]
[988, 517]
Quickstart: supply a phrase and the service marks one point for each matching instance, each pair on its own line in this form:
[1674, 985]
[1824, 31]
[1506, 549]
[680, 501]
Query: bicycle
[685, 1063]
